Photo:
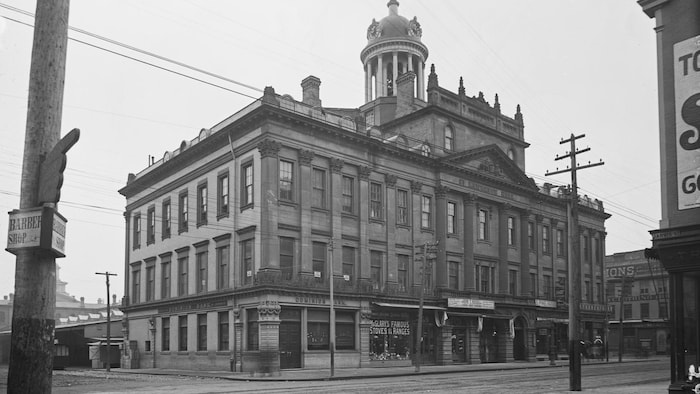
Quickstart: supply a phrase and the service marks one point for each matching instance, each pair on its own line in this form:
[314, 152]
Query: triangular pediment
[489, 162]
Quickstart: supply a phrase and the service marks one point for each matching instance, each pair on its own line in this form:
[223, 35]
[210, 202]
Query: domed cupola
[393, 48]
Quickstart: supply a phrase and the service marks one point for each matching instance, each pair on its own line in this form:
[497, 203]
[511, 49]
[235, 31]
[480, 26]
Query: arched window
[449, 138]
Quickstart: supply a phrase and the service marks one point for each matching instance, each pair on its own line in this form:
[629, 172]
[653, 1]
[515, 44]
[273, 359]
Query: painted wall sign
[41, 227]
[470, 303]
[687, 91]
[546, 303]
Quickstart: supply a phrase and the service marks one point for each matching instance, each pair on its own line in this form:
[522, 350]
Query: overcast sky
[582, 67]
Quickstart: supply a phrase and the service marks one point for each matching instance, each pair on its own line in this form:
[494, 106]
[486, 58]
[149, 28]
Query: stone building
[232, 237]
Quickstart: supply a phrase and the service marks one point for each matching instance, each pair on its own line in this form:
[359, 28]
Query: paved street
[647, 376]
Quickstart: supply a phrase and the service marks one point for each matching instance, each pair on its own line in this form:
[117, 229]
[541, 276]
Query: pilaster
[306, 176]
[469, 203]
[441, 235]
[269, 175]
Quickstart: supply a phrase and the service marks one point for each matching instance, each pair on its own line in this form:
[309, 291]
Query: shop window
[165, 334]
[252, 334]
[390, 338]
[202, 332]
[345, 330]
[182, 334]
[318, 329]
[223, 336]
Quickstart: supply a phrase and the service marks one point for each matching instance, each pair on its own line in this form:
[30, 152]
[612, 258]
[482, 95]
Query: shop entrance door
[519, 343]
[459, 345]
[290, 344]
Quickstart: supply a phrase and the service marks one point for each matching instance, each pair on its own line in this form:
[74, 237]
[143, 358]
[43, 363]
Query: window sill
[376, 220]
[247, 206]
[222, 216]
[402, 225]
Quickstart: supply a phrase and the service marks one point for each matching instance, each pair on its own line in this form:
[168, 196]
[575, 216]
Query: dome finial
[393, 7]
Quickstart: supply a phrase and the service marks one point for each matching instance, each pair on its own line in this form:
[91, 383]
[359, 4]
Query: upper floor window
[151, 229]
[247, 257]
[247, 184]
[166, 219]
[483, 225]
[137, 231]
[545, 239]
[560, 242]
[286, 180]
[531, 235]
[451, 217]
[183, 211]
[319, 188]
[318, 259]
[511, 231]
[586, 248]
[202, 204]
[222, 195]
[375, 201]
[402, 207]
[449, 138]
[348, 193]
[426, 211]
[348, 263]
[376, 265]
[136, 286]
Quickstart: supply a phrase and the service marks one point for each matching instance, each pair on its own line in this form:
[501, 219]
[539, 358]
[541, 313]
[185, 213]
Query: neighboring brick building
[644, 303]
[229, 236]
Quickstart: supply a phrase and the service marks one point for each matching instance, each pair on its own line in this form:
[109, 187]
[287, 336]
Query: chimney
[5, 297]
[82, 302]
[404, 93]
[114, 299]
[12, 297]
[310, 91]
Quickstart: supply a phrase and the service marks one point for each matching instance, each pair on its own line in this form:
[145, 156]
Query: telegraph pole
[109, 318]
[33, 320]
[574, 263]
[427, 248]
[331, 343]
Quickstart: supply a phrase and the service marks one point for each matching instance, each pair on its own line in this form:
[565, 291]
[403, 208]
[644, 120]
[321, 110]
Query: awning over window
[408, 306]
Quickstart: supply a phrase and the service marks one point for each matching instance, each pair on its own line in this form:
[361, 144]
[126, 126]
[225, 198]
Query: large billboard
[687, 88]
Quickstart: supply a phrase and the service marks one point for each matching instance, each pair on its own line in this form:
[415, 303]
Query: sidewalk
[381, 372]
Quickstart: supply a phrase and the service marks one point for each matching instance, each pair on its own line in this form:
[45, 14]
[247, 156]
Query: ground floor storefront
[265, 331]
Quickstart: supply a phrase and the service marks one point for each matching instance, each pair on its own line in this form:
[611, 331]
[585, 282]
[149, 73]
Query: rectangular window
[137, 231]
[165, 278]
[483, 225]
[182, 334]
[531, 235]
[560, 242]
[513, 282]
[449, 136]
[348, 263]
[201, 332]
[253, 336]
[511, 231]
[319, 259]
[453, 275]
[202, 260]
[596, 251]
[403, 272]
[202, 204]
[222, 202]
[628, 311]
[223, 336]
[663, 310]
[375, 201]
[136, 286]
[151, 229]
[318, 329]
[287, 257]
[183, 211]
[348, 194]
[150, 283]
[247, 183]
[533, 284]
[548, 292]
[376, 263]
[587, 290]
[426, 208]
[484, 278]
[545, 239]
[166, 225]
[182, 263]
[586, 248]
[402, 207]
[286, 180]
[318, 198]
[222, 267]
[165, 334]
[247, 257]
[451, 218]
[345, 330]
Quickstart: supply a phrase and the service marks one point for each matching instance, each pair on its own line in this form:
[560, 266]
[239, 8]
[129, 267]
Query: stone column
[395, 72]
[416, 188]
[445, 355]
[363, 217]
[269, 332]
[503, 248]
[525, 255]
[392, 259]
[336, 211]
[380, 79]
[269, 211]
[441, 271]
[365, 323]
[305, 175]
[421, 79]
[237, 339]
[537, 236]
[469, 201]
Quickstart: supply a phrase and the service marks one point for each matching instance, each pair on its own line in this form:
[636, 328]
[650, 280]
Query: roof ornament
[496, 104]
[461, 90]
[414, 29]
[373, 30]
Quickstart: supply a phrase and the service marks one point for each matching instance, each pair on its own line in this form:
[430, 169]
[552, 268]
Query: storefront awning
[408, 306]
[484, 315]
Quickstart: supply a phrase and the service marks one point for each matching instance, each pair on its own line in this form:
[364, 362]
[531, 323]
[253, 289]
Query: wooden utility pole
[33, 321]
[109, 319]
[427, 250]
[574, 262]
[331, 312]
